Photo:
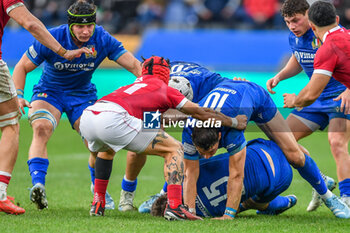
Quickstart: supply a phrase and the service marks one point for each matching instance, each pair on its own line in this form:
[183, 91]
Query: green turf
[69, 195]
[68, 187]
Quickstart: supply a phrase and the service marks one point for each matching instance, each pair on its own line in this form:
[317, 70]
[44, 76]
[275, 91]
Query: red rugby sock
[174, 195]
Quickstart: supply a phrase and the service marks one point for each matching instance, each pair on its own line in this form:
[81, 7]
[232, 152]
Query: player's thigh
[278, 131]
[163, 144]
[298, 127]
[339, 131]
[7, 87]
[8, 106]
[38, 105]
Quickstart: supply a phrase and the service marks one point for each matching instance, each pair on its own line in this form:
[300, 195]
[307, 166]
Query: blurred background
[239, 35]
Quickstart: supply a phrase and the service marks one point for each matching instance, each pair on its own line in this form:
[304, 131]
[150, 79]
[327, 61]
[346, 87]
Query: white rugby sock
[327, 195]
[3, 188]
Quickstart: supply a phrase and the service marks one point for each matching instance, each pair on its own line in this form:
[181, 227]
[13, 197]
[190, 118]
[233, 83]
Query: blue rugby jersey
[202, 80]
[233, 98]
[304, 49]
[259, 179]
[62, 75]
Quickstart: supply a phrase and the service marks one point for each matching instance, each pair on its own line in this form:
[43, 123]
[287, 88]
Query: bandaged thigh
[42, 114]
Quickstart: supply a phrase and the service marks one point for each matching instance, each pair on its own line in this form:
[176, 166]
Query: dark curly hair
[159, 206]
[292, 7]
[83, 7]
[322, 13]
[205, 138]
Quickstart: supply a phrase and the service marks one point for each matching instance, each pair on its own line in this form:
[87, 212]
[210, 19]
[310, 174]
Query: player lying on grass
[267, 174]
[233, 98]
[115, 122]
[324, 111]
[65, 86]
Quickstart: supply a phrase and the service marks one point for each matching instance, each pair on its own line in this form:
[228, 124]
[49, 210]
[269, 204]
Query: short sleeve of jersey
[175, 98]
[190, 151]
[11, 4]
[115, 47]
[233, 140]
[37, 52]
[325, 61]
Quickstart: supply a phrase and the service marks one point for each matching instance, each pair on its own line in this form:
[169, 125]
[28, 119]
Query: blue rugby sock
[311, 174]
[278, 203]
[344, 188]
[129, 186]
[92, 174]
[165, 187]
[38, 169]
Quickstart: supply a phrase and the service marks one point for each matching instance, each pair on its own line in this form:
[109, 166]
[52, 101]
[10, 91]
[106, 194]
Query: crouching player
[267, 174]
[65, 86]
[115, 122]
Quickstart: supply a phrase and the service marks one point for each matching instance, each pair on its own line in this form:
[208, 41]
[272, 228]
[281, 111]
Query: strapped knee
[43, 114]
[9, 119]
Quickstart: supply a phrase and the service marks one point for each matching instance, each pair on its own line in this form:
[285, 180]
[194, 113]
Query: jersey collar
[329, 32]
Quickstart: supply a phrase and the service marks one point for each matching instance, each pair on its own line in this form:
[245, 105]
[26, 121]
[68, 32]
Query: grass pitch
[69, 196]
[68, 182]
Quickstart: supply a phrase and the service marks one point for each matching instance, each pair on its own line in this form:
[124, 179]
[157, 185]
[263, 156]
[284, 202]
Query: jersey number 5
[214, 193]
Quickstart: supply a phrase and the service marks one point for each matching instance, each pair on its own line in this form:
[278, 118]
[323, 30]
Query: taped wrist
[234, 122]
[230, 212]
[20, 93]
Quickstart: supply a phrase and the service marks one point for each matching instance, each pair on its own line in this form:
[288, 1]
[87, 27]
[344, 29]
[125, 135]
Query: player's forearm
[291, 69]
[310, 92]
[191, 172]
[130, 63]
[304, 99]
[19, 76]
[207, 113]
[234, 191]
[190, 193]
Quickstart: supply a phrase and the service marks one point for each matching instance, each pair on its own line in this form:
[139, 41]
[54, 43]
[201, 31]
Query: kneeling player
[267, 174]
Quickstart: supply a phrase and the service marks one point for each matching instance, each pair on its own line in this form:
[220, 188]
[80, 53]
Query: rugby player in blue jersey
[65, 86]
[324, 111]
[267, 174]
[233, 98]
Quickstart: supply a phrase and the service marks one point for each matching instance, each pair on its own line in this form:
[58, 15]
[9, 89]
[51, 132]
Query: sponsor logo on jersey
[94, 51]
[42, 95]
[151, 120]
[32, 52]
[229, 146]
[75, 66]
[304, 57]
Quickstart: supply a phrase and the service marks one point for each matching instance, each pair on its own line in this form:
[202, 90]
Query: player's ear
[337, 19]
[219, 134]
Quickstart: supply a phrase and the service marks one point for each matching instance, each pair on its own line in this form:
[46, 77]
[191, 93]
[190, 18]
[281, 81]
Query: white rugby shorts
[7, 87]
[107, 125]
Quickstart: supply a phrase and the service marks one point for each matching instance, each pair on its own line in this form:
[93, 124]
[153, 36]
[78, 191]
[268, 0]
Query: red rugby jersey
[333, 57]
[147, 94]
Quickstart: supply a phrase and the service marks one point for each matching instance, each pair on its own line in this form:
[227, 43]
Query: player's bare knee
[42, 120]
[42, 129]
[339, 147]
[296, 158]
